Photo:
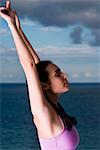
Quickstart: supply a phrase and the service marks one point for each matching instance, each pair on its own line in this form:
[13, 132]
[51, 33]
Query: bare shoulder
[48, 123]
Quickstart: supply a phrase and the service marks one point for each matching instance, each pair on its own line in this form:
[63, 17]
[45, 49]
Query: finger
[8, 4]
[2, 9]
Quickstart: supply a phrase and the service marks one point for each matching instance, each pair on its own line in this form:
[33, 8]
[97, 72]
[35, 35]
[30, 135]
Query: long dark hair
[68, 121]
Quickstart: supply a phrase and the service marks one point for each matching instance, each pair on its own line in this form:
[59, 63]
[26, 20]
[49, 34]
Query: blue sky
[65, 32]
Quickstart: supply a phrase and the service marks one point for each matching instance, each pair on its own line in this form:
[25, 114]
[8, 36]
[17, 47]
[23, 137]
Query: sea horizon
[69, 83]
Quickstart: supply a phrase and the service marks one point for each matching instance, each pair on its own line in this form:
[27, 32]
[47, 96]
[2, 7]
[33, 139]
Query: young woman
[45, 82]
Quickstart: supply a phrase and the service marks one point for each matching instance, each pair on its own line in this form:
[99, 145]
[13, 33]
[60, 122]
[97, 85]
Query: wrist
[11, 26]
[11, 23]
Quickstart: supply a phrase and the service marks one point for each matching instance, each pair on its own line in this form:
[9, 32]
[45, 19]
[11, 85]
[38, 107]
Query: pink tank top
[66, 140]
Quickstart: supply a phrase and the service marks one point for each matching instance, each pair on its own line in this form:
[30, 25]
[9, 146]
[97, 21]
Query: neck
[52, 97]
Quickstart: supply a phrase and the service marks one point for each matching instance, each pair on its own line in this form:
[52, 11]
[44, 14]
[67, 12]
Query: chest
[48, 125]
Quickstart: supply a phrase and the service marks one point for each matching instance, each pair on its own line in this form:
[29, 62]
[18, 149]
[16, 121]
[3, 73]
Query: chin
[64, 90]
[67, 89]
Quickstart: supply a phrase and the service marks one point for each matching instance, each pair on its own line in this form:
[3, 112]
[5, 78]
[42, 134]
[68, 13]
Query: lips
[66, 83]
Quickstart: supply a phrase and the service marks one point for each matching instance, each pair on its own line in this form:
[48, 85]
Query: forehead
[51, 68]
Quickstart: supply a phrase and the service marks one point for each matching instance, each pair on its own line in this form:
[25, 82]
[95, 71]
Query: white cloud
[28, 0]
[7, 51]
[75, 75]
[50, 29]
[9, 75]
[27, 22]
[4, 31]
[87, 74]
[82, 50]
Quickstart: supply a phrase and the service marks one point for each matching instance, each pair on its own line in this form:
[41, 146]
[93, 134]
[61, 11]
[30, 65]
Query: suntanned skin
[45, 118]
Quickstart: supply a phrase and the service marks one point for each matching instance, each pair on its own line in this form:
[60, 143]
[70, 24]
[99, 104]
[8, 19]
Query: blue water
[17, 132]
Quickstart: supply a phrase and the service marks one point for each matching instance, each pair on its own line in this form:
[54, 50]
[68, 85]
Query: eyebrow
[57, 70]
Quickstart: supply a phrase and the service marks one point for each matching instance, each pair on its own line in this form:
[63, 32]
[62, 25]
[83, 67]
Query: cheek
[56, 86]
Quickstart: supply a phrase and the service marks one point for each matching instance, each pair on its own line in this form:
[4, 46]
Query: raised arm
[36, 96]
[32, 51]
[23, 36]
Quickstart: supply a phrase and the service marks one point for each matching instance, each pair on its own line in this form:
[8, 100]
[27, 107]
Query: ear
[45, 86]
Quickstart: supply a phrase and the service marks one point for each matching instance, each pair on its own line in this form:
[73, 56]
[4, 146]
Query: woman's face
[58, 82]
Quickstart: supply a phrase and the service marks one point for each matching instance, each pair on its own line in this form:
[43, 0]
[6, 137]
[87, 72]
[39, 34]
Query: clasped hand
[9, 15]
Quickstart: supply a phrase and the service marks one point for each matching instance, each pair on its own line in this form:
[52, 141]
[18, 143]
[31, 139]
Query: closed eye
[58, 72]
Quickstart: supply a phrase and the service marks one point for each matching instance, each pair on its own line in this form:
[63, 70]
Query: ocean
[17, 132]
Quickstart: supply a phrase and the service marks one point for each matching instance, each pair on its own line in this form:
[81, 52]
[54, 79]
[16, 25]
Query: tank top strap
[62, 123]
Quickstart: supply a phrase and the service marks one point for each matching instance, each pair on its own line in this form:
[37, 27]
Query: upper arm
[36, 96]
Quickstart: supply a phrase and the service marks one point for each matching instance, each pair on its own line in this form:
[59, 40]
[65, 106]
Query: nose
[65, 76]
